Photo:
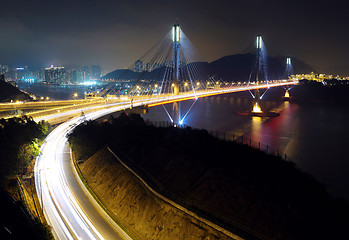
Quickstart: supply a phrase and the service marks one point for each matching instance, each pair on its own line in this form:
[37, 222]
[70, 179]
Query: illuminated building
[95, 72]
[21, 73]
[138, 66]
[319, 77]
[55, 75]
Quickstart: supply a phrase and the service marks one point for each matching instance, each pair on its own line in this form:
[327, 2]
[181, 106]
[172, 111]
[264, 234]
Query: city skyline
[114, 35]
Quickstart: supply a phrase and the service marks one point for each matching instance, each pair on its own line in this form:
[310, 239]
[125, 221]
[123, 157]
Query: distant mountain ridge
[232, 68]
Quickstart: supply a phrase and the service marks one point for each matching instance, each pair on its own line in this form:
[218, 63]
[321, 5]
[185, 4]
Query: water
[312, 135]
[57, 92]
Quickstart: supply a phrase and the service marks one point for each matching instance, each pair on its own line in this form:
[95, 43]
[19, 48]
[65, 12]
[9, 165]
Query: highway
[68, 207]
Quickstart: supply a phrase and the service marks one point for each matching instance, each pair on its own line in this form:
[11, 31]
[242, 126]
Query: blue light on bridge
[89, 83]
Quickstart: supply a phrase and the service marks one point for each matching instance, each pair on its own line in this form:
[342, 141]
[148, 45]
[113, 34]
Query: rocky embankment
[137, 208]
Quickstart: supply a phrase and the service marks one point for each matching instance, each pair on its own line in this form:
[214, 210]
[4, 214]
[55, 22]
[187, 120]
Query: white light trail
[60, 206]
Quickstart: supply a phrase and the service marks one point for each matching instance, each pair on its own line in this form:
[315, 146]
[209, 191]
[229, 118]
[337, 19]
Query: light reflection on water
[315, 136]
[312, 135]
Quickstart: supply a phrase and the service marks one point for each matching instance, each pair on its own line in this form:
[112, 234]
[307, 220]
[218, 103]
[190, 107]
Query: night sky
[114, 33]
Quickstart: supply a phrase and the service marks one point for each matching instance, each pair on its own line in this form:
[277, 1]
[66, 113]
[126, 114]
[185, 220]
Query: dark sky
[115, 33]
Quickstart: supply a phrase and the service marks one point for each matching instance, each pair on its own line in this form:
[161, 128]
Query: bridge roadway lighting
[68, 209]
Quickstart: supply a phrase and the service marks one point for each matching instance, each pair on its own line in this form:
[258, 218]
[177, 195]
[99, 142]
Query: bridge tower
[256, 105]
[288, 72]
[176, 38]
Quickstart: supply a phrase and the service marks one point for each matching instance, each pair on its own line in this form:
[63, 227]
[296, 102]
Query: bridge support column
[176, 37]
[256, 104]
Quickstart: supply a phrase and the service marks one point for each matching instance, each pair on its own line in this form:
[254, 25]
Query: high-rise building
[86, 73]
[147, 67]
[3, 69]
[22, 73]
[55, 75]
[95, 72]
[138, 66]
[76, 76]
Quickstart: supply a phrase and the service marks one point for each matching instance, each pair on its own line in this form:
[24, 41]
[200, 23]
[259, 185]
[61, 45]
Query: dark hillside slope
[9, 92]
[229, 183]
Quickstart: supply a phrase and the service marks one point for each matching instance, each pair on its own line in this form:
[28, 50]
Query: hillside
[231, 184]
[138, 209]
[9, 92]
[230, 68]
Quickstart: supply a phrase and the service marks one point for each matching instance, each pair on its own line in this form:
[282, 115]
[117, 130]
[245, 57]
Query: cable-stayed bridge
[170, 72]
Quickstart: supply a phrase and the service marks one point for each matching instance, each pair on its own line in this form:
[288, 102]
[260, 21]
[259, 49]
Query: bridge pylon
[257, 71]
[256, 105]
[176, 38]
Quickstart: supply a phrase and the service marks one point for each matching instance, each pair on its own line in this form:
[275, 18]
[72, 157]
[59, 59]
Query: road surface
[68, 207]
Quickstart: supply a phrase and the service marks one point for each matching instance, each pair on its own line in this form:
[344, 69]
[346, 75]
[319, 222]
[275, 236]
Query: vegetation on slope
[19, 146]
[19, 139]
[140, 212]
[229, 183]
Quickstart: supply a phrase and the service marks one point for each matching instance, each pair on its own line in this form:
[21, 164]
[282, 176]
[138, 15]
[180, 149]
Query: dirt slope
[139, 210]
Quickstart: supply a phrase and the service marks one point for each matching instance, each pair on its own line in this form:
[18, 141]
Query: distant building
[319, 77]
[147, 67]
[3, 69]
[95, 72]
[76, 76]
[55, 75]
[22, 73]
[86, 73]
[10, 75]
[138, 66]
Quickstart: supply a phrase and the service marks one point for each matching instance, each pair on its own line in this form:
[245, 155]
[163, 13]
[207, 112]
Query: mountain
[238, 67]
[9, 92]
[230, 68]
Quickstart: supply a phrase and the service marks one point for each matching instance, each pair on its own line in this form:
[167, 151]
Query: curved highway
[68, 207]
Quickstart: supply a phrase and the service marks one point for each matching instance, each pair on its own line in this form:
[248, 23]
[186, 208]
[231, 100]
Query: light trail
[61, 207]
[67, 205]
